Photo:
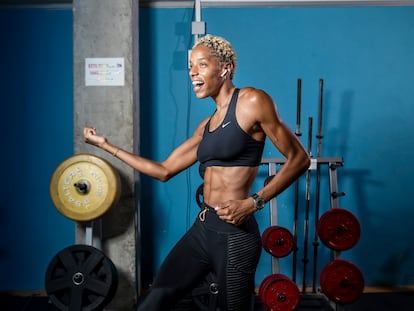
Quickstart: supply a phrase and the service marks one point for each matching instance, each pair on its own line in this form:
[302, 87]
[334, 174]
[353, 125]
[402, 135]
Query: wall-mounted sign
[104, 72]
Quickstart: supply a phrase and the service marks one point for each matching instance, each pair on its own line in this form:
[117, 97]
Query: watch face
[259, 202]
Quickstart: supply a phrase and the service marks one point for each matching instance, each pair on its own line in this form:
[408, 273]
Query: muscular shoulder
[253, 107]
[255, 101]
[253, 97]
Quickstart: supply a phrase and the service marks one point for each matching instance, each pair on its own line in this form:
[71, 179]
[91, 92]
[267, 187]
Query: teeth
[197, 82]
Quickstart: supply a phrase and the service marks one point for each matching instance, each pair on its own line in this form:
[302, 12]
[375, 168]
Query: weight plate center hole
[82, 186]
[78, 278]
[341, 229]
[281, 297]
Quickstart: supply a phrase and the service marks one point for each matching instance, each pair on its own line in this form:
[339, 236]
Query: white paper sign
[104, 72]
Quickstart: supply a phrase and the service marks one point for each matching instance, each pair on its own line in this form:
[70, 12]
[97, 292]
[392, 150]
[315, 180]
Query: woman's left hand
[235, 211]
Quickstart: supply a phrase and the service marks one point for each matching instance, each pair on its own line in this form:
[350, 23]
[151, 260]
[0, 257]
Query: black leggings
[227, 253]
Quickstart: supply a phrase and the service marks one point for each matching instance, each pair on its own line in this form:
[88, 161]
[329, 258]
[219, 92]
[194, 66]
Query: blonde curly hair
[220, 48]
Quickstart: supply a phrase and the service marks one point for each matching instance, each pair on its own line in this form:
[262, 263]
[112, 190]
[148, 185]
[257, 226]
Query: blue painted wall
[37, 134]
[363, 54]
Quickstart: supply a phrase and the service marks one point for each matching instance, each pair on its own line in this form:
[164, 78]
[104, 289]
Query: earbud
[224, 73]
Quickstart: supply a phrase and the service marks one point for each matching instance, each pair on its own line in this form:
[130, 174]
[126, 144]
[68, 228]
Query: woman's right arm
[181, 158]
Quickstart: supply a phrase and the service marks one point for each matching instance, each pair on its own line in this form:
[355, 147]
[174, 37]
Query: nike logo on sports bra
[225, 124]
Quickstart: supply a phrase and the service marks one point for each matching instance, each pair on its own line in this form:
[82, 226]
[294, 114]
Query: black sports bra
[229, 145]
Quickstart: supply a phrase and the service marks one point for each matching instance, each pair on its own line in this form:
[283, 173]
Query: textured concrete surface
[109, 29]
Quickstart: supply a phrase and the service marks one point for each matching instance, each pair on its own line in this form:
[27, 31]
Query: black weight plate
[81, 278]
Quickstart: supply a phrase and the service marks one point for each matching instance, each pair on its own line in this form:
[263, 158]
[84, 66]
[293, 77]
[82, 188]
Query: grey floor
[401, 301]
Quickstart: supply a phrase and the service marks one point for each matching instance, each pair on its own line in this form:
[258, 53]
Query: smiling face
[212, 64]
[206, 73]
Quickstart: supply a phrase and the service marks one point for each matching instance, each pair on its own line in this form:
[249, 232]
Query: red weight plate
[263, 287]
[279, 293]
[277, 241]
[342, 281]
[339, 229]
[269, 279]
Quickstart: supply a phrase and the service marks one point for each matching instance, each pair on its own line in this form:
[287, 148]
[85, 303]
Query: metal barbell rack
[338, 229]
[333, 163]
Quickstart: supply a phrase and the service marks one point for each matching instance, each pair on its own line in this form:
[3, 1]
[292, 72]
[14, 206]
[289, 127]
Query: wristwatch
[259, 202]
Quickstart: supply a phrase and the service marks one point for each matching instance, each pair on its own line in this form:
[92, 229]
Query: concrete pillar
[109, 29]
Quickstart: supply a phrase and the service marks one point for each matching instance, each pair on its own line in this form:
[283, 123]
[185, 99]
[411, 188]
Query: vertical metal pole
[273, 217]
[306, 225]
[197, 4]
[93, 233]
[89, 234]
[319, 135]
[296, 211]
[298, 107]
[333, 185]
[318, 186]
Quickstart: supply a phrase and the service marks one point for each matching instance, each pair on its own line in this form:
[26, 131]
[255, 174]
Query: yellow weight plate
[84, 187]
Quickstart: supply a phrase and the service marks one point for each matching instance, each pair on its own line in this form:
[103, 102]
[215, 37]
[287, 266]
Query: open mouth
[197, 84]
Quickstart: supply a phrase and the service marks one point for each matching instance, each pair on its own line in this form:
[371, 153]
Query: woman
[224, 241]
